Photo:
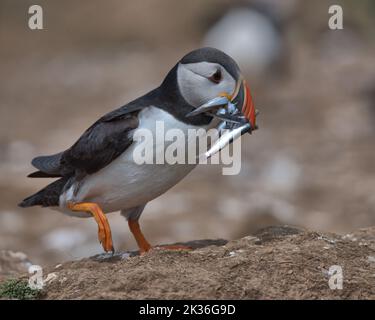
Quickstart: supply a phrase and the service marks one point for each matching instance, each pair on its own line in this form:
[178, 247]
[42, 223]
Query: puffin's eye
[216, 77]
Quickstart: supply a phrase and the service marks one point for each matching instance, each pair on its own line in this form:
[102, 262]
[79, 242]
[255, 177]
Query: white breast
[123, 184]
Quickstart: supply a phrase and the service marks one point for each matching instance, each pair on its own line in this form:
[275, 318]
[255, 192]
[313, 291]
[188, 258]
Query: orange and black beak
[244, 102]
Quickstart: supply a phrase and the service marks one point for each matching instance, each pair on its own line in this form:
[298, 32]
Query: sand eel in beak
[98, 174]
[238, 120]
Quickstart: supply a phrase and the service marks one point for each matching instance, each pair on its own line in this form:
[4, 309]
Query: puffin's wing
[99, 145]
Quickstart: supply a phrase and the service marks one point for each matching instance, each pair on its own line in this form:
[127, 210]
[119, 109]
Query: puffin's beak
[241, 99]
[209, 106]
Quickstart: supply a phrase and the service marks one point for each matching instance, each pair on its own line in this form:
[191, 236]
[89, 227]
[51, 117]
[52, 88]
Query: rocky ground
[274, 263]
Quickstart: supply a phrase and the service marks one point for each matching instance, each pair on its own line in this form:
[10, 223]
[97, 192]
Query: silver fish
[232, 126]
[227, 138]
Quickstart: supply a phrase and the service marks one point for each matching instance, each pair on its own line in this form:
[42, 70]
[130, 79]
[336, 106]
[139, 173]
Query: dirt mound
[277, 262]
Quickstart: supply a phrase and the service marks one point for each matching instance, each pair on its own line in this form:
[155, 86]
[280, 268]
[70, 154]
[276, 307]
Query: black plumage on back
[48, 196]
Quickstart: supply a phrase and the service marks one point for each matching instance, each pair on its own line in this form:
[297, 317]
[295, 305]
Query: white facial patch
[195, 86]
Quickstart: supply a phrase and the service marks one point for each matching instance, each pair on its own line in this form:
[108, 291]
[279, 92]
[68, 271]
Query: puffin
[98, 174]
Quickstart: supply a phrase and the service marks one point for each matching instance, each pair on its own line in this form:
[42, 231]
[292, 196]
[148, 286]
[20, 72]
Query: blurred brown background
[311, 164]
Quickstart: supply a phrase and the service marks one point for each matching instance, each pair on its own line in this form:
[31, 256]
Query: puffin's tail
[47, 197]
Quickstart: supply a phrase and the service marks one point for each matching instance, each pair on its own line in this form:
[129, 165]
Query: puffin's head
[207, 73]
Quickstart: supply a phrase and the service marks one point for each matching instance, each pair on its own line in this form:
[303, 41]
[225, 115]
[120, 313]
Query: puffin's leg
[104, 230]
[144, 245]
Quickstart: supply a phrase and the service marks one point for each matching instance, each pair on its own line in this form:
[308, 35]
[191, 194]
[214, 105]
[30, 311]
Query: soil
[275, 263]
